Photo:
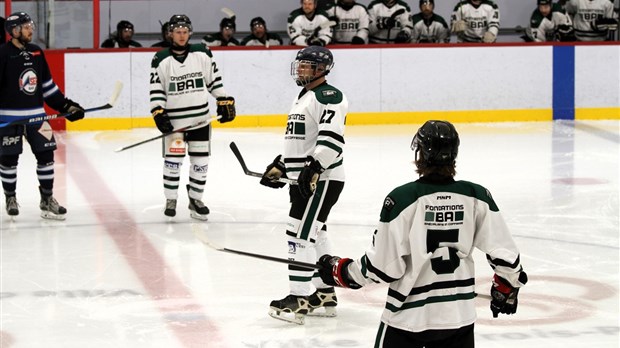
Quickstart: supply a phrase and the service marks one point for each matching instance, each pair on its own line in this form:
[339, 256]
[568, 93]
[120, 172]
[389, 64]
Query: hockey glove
[389, 23]
[226, 109]
[334, 272]
[504, 296]
[489, 37]
[309, 176]
[402, 37]
[603, 24]
[459, 26]
[273, 172]
[314, 41]
[75, 110]
[162, 121]
[357, 40]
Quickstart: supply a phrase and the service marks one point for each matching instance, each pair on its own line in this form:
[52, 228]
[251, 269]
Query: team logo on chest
[28, 82]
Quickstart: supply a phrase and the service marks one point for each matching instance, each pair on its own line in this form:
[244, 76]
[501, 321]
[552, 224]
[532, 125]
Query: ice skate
[12, 208]
[171, 206]
[323, 298]
[50, 209]
[291, 308]
[197, 209]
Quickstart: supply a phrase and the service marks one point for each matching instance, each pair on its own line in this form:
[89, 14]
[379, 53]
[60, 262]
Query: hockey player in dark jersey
[423, 247]
[25, 84]
[313, 155]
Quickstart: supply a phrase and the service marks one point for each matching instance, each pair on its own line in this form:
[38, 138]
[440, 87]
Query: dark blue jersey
[26, 83]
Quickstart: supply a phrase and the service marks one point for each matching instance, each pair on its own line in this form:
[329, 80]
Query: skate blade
[328, 312]
[298, 319]
[197, 216]
[51, 216]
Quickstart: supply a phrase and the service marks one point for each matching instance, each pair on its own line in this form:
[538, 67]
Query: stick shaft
[248, 172]
[183, 129]
[272, 258]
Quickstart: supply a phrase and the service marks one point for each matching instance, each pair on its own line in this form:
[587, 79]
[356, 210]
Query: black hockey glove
[226, 109]
[402, 37]
[314, 41]
[273, 172]
[504, 296]
[309, 176]
[389, 23]
[162, 121]
[357, 40]
[75, 110]
[334, 272]
[603, 24]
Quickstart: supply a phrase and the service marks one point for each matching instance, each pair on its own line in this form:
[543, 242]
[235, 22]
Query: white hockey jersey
[182, 85]
[300, 28]
[379, 13]
[351, 22]
[543, 28]
[584, 14]
[432, 30]
[315, 128]
[423, 247]
[479, 20]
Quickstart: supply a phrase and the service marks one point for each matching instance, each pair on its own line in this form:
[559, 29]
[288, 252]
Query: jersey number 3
[439, 264]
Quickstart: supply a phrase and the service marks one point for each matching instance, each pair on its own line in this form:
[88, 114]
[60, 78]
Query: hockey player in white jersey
[429, 27]
[593, 20]
[309, 27]
[182, 79]
[390, 21]
[352, 22]
[550, 23]
[313, 155]
[475, 21]
[423, 248]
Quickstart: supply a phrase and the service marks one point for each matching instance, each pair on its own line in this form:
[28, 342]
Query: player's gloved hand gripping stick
[70, 112]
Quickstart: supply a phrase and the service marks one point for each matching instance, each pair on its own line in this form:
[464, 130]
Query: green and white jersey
[351, 22]
[378, 13]
[182, 85]
[544, 28]
[300, 28]
[315, 128]
[431, 30]
[584, 13]
[423, 247]
[479, 19]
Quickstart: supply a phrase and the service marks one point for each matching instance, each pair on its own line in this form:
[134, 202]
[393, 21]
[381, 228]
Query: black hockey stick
[208, 243]
[393, 16]
[318, 29]
[183, 129]
[118, 87]
[248, 172]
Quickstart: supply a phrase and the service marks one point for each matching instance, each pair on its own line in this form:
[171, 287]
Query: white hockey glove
[489, 37]
[459, 26]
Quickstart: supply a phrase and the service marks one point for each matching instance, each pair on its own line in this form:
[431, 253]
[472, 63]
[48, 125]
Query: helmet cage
[318, 59]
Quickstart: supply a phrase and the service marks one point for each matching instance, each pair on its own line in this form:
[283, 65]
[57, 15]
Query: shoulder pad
[200, 48]
[326, 94]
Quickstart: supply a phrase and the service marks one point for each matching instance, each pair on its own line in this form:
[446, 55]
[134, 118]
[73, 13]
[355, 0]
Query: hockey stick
[393, 16]
[118, 87]
[248, 172]
[322, 26]
[183, 129]
[229, 13]
[208, 243]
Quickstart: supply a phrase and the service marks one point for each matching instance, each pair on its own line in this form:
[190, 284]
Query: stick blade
[199, 233]
[228, 12]
[118, 88]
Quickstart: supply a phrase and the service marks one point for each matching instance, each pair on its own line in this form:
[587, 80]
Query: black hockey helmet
[318, 56]
[257, 21]
[165, 28]
[438, 141]
[180, 21]
[124, 25]
[228, 23]
[544, 2]
[432, 2]
[15, 20]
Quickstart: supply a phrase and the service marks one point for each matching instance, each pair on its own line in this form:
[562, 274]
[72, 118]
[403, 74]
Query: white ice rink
[118, 273]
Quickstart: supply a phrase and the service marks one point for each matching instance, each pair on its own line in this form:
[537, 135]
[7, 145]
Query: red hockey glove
[334, 272]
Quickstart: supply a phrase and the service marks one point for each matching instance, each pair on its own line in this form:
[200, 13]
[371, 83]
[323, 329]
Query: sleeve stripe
[378, 273]
[331, 134]
[330, 145]
[503, 263]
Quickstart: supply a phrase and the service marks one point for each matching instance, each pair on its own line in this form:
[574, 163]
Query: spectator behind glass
[260, 36]
[166, 40]
[390, 21]
[429, 27]
[122, 38]
[352, 22]
[309, 27]
[475, 21]
[593, 20]
[225, 37]
[549, 23]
